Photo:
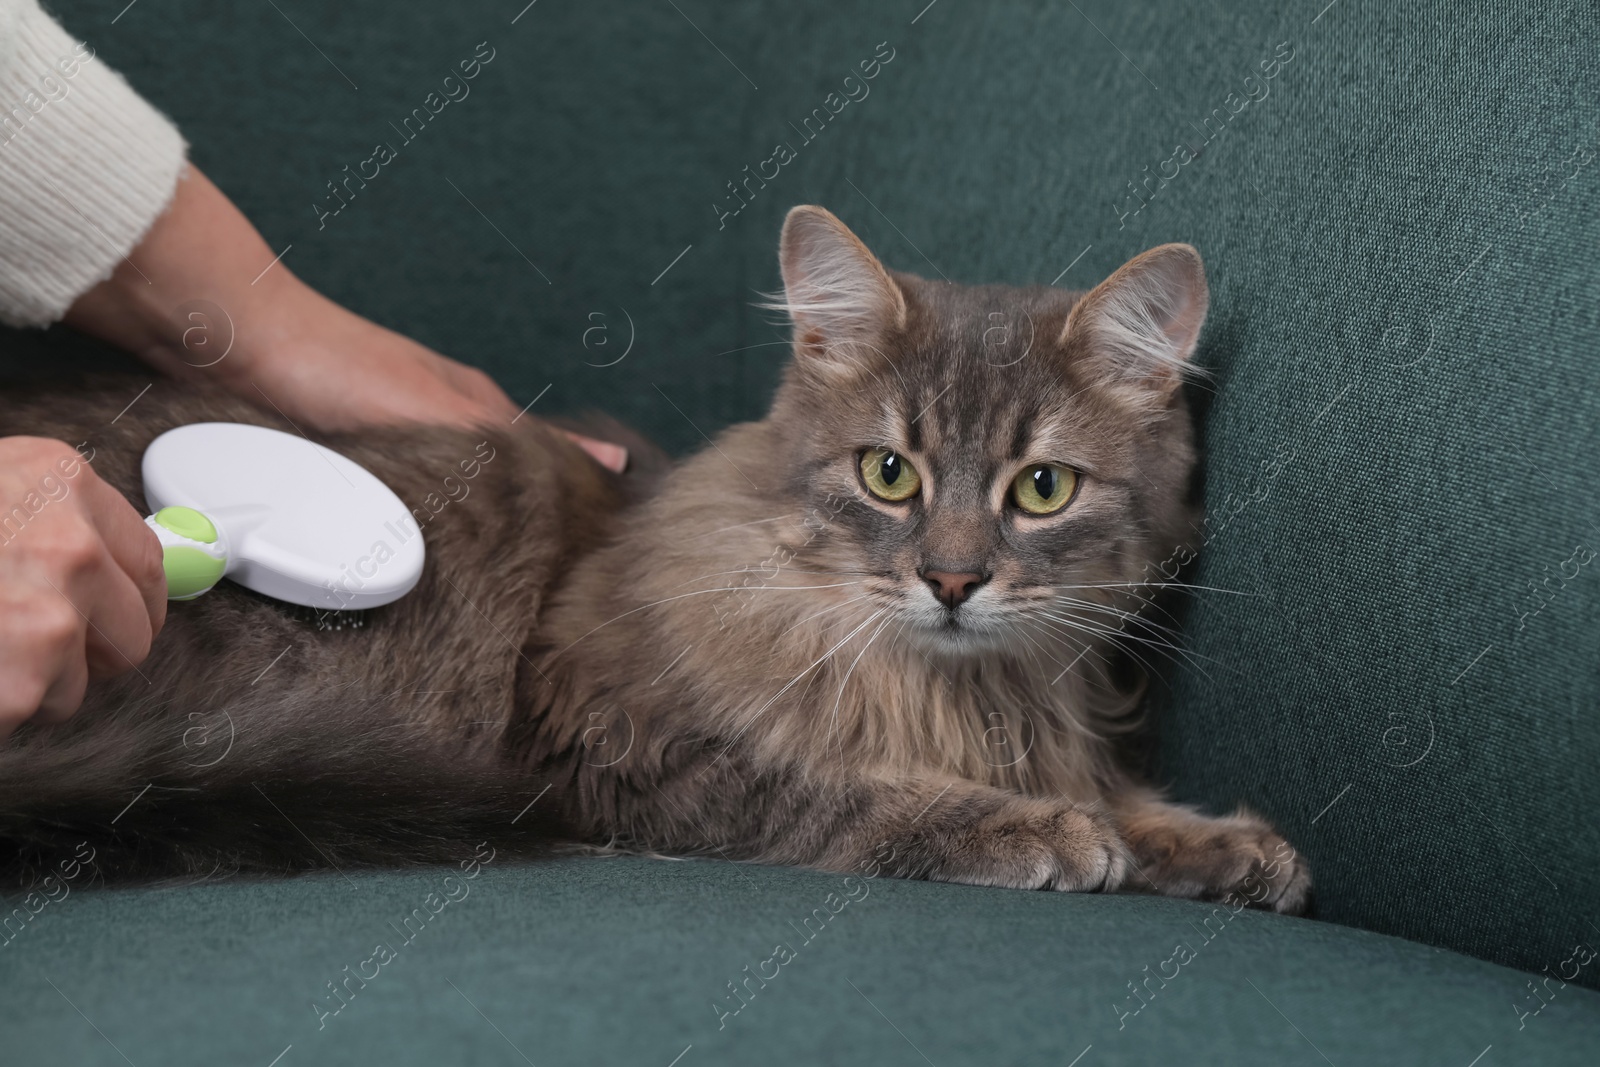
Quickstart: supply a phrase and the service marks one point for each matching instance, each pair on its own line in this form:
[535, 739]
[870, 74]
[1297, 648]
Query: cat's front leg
[977, 835]
[1181, 853]
[935, 828]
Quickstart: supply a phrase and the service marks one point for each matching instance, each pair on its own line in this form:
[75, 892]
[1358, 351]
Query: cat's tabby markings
[944, 544]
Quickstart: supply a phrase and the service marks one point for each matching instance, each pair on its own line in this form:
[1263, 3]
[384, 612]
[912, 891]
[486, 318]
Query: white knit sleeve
[86, 165]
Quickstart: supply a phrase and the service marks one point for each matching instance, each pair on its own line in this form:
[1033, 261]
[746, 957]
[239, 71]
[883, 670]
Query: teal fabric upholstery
[629, 961]
[1402, 669]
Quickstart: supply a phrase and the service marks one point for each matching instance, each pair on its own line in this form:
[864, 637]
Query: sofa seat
[594, 960]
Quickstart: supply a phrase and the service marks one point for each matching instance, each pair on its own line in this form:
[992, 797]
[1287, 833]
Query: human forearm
[194, 268]
[202, 298]
[86, 165]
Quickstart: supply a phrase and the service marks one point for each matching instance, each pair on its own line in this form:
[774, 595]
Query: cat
[877, 628]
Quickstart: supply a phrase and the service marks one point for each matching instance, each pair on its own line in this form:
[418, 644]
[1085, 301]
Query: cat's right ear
[1138, 329]
[839, 297]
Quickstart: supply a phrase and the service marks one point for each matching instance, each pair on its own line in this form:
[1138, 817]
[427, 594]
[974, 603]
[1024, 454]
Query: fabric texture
[1395, 655]
[86, 165]
[630, 961]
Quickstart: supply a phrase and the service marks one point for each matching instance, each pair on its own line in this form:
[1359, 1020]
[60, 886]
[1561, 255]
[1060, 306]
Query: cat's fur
[741, 662]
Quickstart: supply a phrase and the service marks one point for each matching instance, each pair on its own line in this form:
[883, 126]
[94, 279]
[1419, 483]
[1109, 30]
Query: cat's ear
[1137, 329]
[834, 289]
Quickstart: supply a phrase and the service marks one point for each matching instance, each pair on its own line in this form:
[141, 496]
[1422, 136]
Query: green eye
[1044, 488]
[889, 475]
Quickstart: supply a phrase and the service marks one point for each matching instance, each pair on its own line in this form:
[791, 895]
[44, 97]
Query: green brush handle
[193, 551]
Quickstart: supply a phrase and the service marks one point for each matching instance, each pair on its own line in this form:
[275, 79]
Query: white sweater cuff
[86, 166]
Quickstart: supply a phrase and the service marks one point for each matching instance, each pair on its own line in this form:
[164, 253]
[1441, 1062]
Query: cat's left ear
[1137, 329]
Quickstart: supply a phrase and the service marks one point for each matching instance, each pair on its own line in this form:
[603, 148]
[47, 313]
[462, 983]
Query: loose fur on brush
[755, 655]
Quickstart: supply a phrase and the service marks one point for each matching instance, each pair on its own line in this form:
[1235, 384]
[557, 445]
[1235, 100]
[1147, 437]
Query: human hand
[287, 347]
[317, 363]
[82, 591]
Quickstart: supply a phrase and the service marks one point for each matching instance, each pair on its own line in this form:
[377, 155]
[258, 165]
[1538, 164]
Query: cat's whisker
[1127, 616]
[751, 569]
[1117, 592]
[1137, 612]
[1170, 650]
[790, 683]
[1075, 629]
[742, 525]
[1036, 649]
[1156, 585]
[1083, 647]
[899, 631]
[824, 611]
[833, 727]
[738, 570]
[1101, 615]
[1069, 716]
[756, 569]
[932, 664]
[700, 592]
[747, 348]
[836, 574]
[1080, 624]
[1103, 627]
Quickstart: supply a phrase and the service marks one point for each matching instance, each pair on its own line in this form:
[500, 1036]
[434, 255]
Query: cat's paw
[1034, 846]
[1238, 859]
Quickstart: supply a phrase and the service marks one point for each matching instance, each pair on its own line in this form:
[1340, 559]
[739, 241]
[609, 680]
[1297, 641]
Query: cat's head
[987, 460]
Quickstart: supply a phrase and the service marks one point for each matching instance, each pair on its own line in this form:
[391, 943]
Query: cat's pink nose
[952, 589]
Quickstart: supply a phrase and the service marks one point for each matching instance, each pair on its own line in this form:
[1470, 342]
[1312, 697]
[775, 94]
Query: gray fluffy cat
[798, 646]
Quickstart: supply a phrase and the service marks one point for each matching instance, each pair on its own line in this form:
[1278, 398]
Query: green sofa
[1395, 203]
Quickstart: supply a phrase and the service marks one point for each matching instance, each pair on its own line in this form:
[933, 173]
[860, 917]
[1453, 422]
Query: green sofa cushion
[625, 961]
[1399, 232]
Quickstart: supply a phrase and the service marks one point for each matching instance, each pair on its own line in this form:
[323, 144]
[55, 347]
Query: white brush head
[277, 514]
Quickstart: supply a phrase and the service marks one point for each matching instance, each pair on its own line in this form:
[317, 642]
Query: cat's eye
[1044, 488]
[889, 475]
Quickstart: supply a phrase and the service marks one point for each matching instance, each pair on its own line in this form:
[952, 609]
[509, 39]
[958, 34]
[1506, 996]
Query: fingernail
[612, 457]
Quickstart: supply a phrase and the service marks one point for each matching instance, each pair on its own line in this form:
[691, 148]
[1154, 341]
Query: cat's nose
[952, 589]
